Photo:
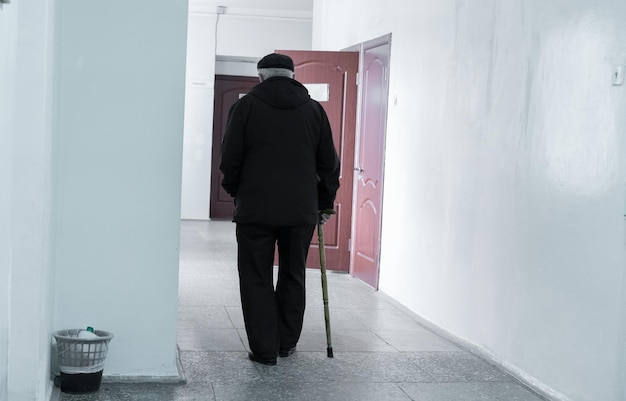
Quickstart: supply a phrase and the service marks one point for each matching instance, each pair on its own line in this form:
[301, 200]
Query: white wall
[256, 36]
[241, 32]
[7, 47]
[121, 99]
[244, 67]
[196, 181]
[505, 152]
[26, 203]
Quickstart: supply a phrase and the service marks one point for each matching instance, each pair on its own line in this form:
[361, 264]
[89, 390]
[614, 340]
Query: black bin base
[80, 383]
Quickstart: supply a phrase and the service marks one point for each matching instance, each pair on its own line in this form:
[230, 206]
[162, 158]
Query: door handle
[358, 170]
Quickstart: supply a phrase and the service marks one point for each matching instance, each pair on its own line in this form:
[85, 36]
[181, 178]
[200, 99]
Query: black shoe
[264, 361]
[283, 353]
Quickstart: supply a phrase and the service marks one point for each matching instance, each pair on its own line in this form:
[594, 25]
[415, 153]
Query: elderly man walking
[280, 165]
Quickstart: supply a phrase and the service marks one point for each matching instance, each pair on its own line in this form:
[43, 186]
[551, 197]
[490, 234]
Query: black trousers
[273, 316]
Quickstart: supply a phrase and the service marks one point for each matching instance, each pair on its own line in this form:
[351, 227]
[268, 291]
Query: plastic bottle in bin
[88, 334]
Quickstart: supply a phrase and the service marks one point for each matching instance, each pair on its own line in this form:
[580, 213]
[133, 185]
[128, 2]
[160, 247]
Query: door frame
[361, 48]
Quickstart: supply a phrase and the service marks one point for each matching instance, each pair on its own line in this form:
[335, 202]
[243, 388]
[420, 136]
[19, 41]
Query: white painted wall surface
[8, 20]
[29, 283]
[242, 67]
[121, 100]
[256, 36]
[241, 32]
[505, 153]
[196, 181]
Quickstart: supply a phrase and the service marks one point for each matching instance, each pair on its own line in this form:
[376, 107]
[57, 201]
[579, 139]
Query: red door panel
[339, 71]
[228, 90]
[370, 165]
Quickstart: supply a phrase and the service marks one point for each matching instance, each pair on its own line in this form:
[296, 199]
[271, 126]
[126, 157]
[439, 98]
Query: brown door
[331, 79]
[370, 164]
[228, 89]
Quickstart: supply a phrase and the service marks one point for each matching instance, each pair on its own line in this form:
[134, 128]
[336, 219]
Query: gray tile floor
[380, 352]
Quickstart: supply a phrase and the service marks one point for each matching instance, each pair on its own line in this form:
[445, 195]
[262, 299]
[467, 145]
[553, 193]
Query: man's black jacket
[278, 157]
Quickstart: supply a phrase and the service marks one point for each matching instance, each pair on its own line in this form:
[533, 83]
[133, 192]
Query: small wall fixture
[618, 75]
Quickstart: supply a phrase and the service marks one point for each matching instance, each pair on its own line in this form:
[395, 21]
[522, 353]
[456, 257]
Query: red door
[370, 164]
[228, 89]
[331, 79]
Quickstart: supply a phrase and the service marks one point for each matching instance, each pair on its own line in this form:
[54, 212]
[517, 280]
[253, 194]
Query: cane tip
[329, 352]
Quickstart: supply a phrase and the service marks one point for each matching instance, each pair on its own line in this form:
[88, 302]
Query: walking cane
[320, 239]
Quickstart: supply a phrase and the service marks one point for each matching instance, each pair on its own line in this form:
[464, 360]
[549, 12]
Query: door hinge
[349, 244]
[357, 79]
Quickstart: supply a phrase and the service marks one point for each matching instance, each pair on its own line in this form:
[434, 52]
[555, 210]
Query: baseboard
[56, 394]
[142, 379]
[516, 373]
[178, 379]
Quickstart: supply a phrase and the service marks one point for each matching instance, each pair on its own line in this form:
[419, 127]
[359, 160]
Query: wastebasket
[81, 360]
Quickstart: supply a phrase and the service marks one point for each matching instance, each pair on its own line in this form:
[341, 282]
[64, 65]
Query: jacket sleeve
[327, 166]
[232, 149]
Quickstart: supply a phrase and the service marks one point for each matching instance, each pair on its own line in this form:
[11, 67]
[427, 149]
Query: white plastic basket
[81, 355]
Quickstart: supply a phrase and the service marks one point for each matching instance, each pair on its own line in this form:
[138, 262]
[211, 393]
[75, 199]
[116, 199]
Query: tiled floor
[380, 352]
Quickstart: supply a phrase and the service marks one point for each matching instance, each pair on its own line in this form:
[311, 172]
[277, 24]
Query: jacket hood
[281, 93]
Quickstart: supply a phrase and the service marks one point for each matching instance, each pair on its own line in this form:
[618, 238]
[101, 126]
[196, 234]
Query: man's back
[277, 143]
